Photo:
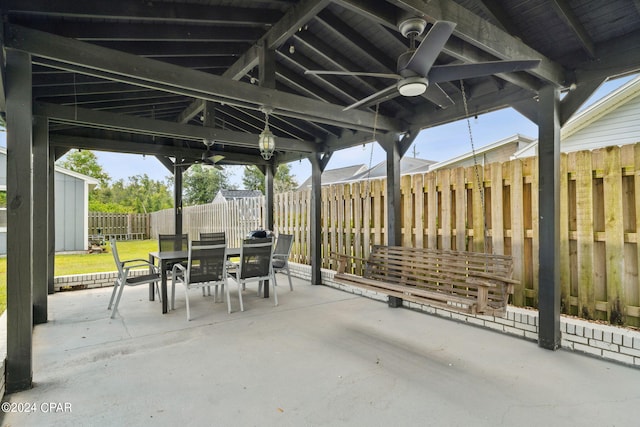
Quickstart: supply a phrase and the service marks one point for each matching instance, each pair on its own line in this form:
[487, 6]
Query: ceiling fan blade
[448, 73]
[353, 73]
[385, 94]
[435, 94]
[430, 47]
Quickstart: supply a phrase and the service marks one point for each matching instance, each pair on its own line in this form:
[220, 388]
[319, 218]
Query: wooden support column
[40, 218]
[19, 226]
[269, 174]
[316, 226]
[51, 229]
[394, 229]
[177, 197]
[266, 66]
[549, 207]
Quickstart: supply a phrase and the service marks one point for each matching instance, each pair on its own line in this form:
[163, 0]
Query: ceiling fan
[416, 74]
[207, 158]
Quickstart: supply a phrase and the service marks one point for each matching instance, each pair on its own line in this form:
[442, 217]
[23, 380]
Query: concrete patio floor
[321, 358]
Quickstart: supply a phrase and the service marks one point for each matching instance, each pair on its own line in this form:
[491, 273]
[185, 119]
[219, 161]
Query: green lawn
[86, 263]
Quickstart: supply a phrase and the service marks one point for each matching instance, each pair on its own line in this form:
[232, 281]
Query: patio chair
[206, 267]
[215, 237]
[255, 265]
[171, 243]
[124, 267]
[281, 256]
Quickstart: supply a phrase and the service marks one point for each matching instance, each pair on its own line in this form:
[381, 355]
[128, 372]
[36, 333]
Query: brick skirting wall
[88, 281]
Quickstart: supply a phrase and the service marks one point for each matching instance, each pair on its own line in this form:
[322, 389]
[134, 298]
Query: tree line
[141, 194]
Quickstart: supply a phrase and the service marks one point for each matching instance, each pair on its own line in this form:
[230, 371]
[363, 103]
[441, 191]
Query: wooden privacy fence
[235, 217]
[122, 226]
[599, 224]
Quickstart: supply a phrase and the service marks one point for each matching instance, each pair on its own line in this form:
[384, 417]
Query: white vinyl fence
[235, 217]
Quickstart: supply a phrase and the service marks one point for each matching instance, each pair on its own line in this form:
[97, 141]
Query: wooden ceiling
[159, 77]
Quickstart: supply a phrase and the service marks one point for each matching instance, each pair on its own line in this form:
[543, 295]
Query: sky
[438, 144]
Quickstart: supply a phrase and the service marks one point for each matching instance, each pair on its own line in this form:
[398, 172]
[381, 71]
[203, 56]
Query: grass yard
[86, 263]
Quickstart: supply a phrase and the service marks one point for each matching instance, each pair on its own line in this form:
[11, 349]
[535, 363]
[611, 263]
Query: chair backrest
[207, 261]
[283, 245]
[255, 258]
[116, 257]
[173, 242]
[219, 236]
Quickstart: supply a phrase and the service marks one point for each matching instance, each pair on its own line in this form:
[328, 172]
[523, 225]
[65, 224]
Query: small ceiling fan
[207, 158]
[416, 74]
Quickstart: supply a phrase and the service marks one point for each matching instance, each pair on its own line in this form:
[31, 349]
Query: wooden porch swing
[461, 281]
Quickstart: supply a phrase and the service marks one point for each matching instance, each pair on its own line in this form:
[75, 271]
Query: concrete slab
[322, 357]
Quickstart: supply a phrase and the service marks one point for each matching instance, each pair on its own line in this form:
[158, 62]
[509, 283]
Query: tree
[201, 183]
[139, 194]
[86, 163]
[253, 179]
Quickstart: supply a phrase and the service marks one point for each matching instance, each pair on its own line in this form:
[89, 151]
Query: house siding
[619, 127]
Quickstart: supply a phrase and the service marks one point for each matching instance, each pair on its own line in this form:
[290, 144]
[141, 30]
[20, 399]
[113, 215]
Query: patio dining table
[165, 258]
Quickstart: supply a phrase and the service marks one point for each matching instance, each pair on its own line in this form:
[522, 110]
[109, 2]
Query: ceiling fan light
[412, 88]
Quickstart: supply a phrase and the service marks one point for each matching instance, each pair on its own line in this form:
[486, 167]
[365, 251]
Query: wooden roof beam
[127, 123]
[119, 66]
[297, 16]
[564, 11]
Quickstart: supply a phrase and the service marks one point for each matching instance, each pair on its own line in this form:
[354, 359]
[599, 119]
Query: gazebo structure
[267, 82]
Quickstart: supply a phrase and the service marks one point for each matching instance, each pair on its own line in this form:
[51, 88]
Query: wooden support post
[177, 197]
[51, 217]
[549, 200]
[268, 193]
[40, 218]
[316, 229]
[19, 227]
[268, 209]
[394, 229]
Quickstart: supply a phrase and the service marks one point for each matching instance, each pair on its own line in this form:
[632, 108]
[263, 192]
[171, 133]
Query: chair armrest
[481, 282]
[141, 263]
[177, 267]
[179, 271]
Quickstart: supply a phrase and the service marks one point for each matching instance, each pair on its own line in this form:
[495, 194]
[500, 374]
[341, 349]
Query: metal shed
[71, 208]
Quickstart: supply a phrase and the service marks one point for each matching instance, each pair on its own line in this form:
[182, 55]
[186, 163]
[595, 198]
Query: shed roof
[331, 176]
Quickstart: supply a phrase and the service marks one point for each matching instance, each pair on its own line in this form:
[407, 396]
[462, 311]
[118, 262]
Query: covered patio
[200, 81]
[322, 357]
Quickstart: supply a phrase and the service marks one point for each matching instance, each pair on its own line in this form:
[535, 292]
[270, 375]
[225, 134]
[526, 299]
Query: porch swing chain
[475, 167]
[375, 127]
